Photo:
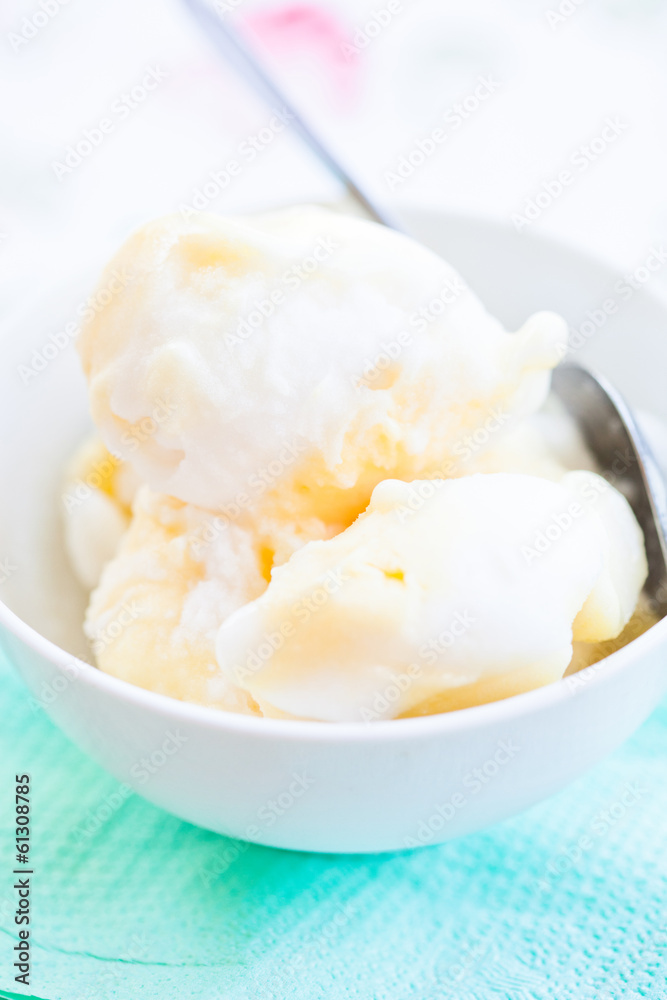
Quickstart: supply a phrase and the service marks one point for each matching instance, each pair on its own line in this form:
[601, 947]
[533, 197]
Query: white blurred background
[376, 77]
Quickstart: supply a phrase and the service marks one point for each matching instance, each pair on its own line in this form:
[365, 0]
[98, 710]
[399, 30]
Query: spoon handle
[233, 49]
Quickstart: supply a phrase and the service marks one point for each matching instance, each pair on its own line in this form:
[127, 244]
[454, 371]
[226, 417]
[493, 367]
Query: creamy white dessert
[155, 616]
[296, 359]
[346, 463]
[437, 587]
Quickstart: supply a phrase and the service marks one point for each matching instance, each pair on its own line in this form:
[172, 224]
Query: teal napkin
[566, 902]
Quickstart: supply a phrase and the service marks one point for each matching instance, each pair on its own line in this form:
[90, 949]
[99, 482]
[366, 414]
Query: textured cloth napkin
[130, 902]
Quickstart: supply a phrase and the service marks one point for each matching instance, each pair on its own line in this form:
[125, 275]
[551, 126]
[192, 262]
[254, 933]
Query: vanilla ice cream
[178, 573]
[97, 502]
[294, 360]
[330, 486]
[438, 586]
[154, 617]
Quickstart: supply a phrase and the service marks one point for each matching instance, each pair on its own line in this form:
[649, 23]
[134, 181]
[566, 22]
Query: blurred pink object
[309, 30]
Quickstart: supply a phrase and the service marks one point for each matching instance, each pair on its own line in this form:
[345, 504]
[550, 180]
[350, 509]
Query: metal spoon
[613, 436]
[606, 422]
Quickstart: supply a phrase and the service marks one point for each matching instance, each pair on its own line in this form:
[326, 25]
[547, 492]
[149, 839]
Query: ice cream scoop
[439, 587]
[296, 359]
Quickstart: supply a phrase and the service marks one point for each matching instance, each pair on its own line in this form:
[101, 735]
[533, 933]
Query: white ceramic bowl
[307, 785]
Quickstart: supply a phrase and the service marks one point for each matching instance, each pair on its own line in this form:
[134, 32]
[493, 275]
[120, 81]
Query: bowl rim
[311, 730]
[387, 730]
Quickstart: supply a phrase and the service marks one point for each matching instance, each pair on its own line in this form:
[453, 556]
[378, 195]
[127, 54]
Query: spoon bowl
[622, 452]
